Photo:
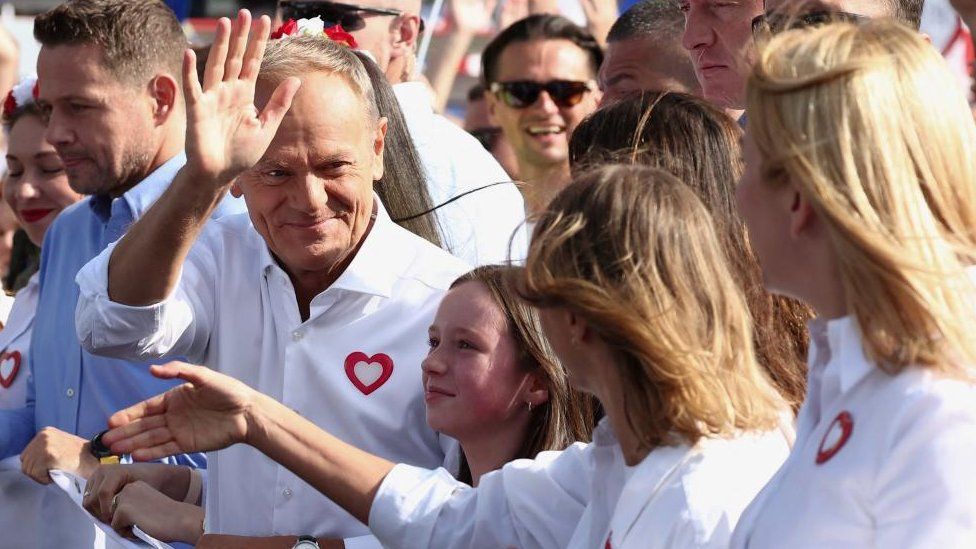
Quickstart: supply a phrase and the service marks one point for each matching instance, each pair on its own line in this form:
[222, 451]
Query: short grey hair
[300, 55]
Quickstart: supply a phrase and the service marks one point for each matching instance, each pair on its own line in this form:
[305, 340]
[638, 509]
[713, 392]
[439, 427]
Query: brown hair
[634, 253]
[567, 416]
[697, 143]
[137, 38]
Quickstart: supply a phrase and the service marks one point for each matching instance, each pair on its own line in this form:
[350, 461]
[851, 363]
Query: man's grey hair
[300, 55]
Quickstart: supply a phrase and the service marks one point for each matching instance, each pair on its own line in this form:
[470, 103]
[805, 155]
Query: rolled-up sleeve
[527, 504]
[178, 326]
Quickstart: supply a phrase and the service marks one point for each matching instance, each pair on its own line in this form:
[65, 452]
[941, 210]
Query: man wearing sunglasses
[486, 224]
[541, 76]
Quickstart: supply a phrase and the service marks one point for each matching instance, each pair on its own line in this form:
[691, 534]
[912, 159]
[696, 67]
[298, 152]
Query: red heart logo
[839, 431]
[9, 366]
[368, 373]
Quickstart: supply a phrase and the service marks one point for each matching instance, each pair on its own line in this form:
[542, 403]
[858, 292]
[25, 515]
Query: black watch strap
[100, 451]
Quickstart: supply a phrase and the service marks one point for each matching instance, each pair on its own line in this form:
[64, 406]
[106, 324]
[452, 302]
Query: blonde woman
[635, 296]
[860, 199]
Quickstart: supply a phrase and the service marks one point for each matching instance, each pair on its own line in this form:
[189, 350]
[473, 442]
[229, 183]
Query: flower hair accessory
[22, 95]
[315, 27]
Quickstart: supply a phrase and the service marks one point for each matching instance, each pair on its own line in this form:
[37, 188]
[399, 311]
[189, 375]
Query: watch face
[305, 544]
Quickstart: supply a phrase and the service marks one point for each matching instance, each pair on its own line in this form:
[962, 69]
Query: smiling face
[539, 133]
[311, 195]
[102, 129]
[718, 35]
[36, 187]
[472, 378]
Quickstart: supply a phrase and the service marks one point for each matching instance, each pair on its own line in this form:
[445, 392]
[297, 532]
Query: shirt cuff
[362, 542]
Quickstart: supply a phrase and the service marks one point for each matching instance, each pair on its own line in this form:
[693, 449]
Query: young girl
[859, 196]
[635, 296]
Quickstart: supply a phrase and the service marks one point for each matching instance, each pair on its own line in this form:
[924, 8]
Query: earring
[530, 407]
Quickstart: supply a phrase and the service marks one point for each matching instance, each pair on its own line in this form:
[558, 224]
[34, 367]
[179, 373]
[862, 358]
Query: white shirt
[485, 226]
[901, 474]
[235, 310]
[583, 497]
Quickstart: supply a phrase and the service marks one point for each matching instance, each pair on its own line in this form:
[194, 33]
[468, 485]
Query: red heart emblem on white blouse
[9, 366]
[368, 373]
[836, 437]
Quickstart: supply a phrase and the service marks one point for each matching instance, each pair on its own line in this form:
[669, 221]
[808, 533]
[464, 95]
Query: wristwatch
[306, 542]
[100, 451]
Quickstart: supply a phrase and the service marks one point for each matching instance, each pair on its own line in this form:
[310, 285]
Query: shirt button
[296, 336]
[287, 493]
[70, 393]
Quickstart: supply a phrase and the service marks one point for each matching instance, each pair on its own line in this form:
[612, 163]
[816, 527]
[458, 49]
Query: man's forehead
[72, 69]
[552, 55]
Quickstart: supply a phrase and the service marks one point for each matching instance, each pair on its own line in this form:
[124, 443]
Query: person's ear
[802, 214]
[492, 106]
[165, 93]
[235, 189]
[379, 143]
[579, 328]
[536, 391]
[406, 35]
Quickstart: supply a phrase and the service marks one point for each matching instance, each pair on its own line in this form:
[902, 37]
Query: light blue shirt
[71, 389]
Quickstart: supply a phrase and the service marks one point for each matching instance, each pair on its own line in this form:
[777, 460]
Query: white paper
[75, 488]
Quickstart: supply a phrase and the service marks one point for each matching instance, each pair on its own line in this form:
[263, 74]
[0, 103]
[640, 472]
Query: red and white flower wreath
[315, 27]
[22, 95]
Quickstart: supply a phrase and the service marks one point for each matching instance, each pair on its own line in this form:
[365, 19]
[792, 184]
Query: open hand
[225, 133]
[209, 412]
[600, 16]
[472, 16]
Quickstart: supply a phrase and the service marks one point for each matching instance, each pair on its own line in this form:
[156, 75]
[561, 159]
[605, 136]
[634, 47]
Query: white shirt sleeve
[178, 326]
[924, 490]
[527, 504]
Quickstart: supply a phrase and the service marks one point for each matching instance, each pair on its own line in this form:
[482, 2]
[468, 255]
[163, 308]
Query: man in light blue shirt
[110, 86]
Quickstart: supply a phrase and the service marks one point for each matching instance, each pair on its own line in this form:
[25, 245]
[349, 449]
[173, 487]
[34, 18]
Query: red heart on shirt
[9, 366]
[836, 437]
[368, 373]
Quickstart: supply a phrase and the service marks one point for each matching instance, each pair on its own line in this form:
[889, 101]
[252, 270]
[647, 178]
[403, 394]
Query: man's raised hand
[225, 133]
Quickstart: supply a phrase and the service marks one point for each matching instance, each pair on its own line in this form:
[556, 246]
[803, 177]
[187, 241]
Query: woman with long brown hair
[634, 293]
[699, 144]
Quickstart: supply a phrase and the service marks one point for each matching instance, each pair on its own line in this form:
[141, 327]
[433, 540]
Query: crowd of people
[700, 275]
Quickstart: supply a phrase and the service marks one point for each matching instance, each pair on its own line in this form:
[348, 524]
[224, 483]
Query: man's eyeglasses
[523, 93]
[486, 136]
[352, 17]
[768, 24]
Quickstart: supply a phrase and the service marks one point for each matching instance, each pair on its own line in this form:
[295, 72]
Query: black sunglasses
[523, 93]
[486, 136]
[768, 24]
[352, 17]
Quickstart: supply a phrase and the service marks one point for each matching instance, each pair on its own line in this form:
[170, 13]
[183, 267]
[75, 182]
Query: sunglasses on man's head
[352, 17]
[523, 93]
[768, 24]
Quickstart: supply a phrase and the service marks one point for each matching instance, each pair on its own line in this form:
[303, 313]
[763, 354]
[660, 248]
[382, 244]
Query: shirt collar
[848, 360]
[140, 197]
[377, 264]
[413, 97]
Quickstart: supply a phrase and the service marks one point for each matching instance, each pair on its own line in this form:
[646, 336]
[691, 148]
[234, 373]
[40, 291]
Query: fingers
[146, 408]
[191, 82]
[255, 49]
[279, 104]
[214, 72]
[123, 440]
[238, 43]
[157, 452]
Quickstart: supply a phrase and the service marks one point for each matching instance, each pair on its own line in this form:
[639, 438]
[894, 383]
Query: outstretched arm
[225, 136]
[213, 411]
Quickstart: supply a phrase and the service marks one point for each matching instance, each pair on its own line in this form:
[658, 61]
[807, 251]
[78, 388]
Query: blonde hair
[868, 122]
[635, 253]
